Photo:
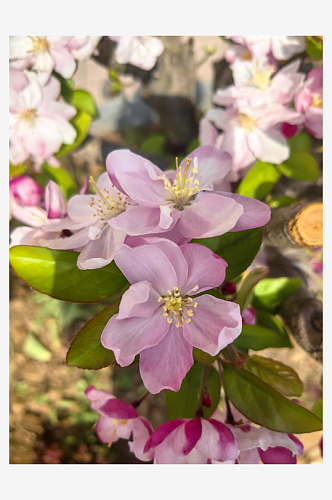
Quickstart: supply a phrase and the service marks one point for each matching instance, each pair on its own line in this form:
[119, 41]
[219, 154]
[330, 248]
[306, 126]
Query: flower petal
[55, 202]
[139, 301]
[217, 441]
[212, 165]
[186, 436]
[255, 213]
[142, 430]
[100, 252]
[270, 146]
[162, 432]
[115, 408]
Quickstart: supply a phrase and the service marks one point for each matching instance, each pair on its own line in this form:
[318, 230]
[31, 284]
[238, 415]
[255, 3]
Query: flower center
[39, 44]
[184, 187]
[317, 101]
[107, 206]
[27, 117]
[261, 77]
[178, 306]
[247, 122]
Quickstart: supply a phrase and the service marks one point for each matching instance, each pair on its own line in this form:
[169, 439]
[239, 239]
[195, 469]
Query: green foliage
[317, 408]
[259, 180]
[238, 249]
[269, 321]
[281, 201]
[16, 170]
[86, 350]
[183, 404]
[300, 143]
[80, 99]
[256, 337]
[270, 292]
[262, 404]
[116, 85]
[55, 273]
[204, 357]
[59, 175]
[154, 145]
[279, 376]
[81, 122]
[301, 166]
[314, 48]
[248, 284]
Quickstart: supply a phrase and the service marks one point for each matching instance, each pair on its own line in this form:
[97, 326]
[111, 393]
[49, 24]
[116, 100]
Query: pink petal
[142, 430]
[236, 144]
[55, 202]
[270, 146]
[97, 397]
[77, 240]
[139, 301]
[143, 189]
[115, 408]
[162, 432]
[139, 219]
[212, 163]
[277, 455]
[255, 213]
[100, 252]
[186, 436]
[217, 441]
[207, 133]
[64, 61]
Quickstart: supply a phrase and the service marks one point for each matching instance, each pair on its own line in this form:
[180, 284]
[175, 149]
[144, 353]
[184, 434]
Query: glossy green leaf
[81, 122]
[279, 376]
[16, 170]
[270, 292]
[317, 408]
[86, 350]
[204, 357]
[238, 249]
[62, 178]
[269, 321]
[255, 337]
[55, 273]
[82, 100]
[259, 181]
[183, 404]
[300, 166]
[314, 49]
[248, 284]
[265, 406]
[300, 143]
[282, 201]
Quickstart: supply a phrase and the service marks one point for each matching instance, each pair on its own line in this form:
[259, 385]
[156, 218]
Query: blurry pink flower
[119, 420]
[38, 124]
[252, 134]
[282, 47]
[309, 100]
[82, 47]
[140, 51]
[258, 82]
[42, 54]
[316, 266]
[90, 217]
[182, 199]
[158, 317]
[25, 191]
[195, 441]
[249, 316]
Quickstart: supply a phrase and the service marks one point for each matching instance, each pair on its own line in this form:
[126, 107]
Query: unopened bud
[228, 288]
[206, 400]
[288, 130]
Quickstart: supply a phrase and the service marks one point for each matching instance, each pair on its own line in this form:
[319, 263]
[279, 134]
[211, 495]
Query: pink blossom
[309, 100]
[25, 191]
[252, 134]
[316, 266]
[38, 124]
[140, 51]
[258, 82]
[249, 316]
[89, 218]
[195, 441]
[282, 47]
[184, 198]
[158, 317]
[119, 420]
[82, 47]
[42, 54]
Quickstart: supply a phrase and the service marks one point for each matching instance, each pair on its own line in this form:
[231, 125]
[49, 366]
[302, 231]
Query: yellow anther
[188, 320]
[169, 320]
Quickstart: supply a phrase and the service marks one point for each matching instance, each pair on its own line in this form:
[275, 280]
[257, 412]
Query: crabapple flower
[158, 317]
[282, 47]
[183, 198]
[258, 82]
[38, 124]
[82, 47]
[119, 420]
[25, 191]
[252, 134]
[90, 217]
[309, 100]
[249, 316]
[140, 51]
[195, 441]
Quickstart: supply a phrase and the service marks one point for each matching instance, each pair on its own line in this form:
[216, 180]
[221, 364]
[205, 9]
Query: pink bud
[206, 400]
[316, 266]
[228, 288]
[288, 130]
[25, 190]
[249, 316]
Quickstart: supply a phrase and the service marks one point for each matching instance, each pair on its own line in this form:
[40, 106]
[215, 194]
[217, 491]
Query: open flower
[119, 420]
[38, 124]
[183, 198]
[82, 47]
[282, 47]
[140, 51]
[195, 441]
[309, 100]
[158, 316]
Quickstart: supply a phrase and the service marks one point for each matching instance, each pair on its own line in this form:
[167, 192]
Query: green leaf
[248, 284]
[259, 180]
[279, 376]
[272, 323]
[317, 408]
[238, 249]
[314, 49]
[82, 100]
[183, 404]
[55, 273]
[300, 166]
[81, 122]
[256, 337]
[16, 170]
[263, 405]
[300, 143]
[270, 292]
[62, 178]
[154, 145]
[282, 201]
[33, 348]
[86, 350]
[204, 357]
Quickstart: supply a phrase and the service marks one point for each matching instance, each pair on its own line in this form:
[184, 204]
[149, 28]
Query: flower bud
[249, 316]
[228, 288]
[288, 130]
[25, 190]
[206, 400]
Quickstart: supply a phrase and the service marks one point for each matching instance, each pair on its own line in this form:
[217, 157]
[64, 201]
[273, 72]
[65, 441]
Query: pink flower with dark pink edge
[258, 82]
[195, 441]
[249, 316]
[252, 134]
[309, 100]
[38, 123]
[183, 198]
[24, 190]
[158, 316]
[140, 51]
[282, 47]
[89, 218]
[35, 217]
[119, 420]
